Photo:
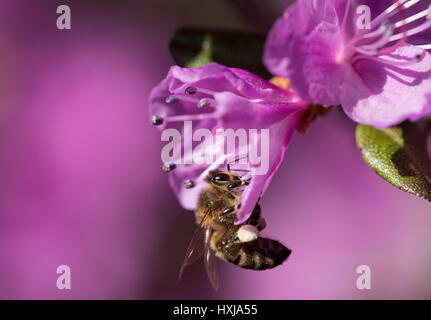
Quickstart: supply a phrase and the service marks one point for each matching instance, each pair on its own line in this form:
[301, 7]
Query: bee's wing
[195, 247]
[210, 260]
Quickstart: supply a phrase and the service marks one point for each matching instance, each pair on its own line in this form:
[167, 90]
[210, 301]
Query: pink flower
[380, 75]
[214, 99]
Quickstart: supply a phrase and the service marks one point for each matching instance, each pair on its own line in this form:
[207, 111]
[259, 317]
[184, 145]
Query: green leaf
[203, 56]
[399, 155]
[193, 48]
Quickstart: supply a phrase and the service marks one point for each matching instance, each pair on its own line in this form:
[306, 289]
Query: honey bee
[218, 236]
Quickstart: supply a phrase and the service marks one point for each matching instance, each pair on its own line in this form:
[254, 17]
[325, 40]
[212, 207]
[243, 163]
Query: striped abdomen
[259, 254]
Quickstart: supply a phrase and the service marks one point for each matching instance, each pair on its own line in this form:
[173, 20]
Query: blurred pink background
[81, 181]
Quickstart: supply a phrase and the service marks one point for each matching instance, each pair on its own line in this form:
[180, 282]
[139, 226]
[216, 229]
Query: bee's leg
[229, 237]
[228, 215]
[261, 223]
[256, 218]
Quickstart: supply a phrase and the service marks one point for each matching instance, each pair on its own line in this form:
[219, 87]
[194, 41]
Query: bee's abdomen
[260, 254]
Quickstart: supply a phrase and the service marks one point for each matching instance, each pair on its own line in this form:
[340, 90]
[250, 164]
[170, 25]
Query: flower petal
[383, 96]
[281, 120]
[303, 45]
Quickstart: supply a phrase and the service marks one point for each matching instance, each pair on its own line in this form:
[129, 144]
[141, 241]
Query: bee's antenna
[241, 170]
[233, 161]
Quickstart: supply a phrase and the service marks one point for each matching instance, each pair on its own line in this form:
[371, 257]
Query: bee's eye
[221, 177]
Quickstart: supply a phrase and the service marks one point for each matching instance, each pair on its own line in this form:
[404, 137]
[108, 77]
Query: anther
[168, 167]
[203, 103]
[172, 99]
[191, 90]
[156, 120]
[189, 184]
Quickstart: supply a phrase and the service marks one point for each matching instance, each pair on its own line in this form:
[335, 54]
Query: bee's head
[225, 179]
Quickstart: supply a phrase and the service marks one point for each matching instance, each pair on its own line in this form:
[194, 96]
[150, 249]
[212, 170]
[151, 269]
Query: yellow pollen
[283, 83]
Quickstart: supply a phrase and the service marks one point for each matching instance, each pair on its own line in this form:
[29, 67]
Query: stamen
[389, 12]
[197, 102]
[375, 46]
[414, 17]
[385, 15]
[367, 52]
[189, 91]
[406, 62]
[156, 120]
[188, 184]
[172, 99]
[385, 30]
[411, 3]
[168, 167]
[380, 31]
[412, 32]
